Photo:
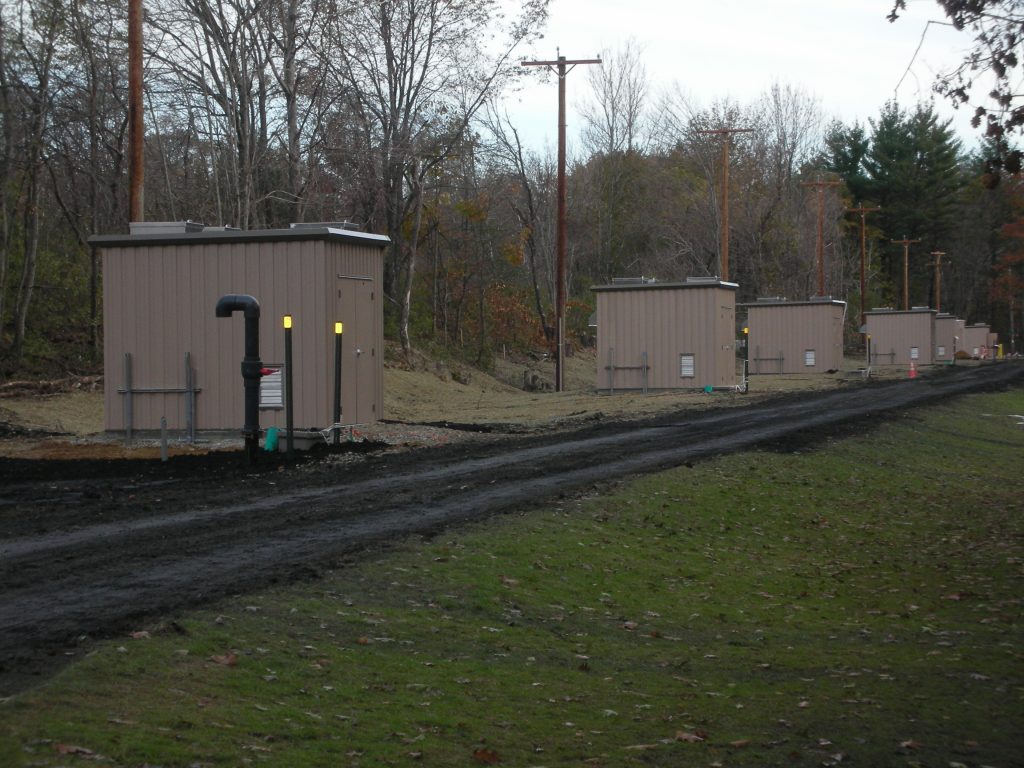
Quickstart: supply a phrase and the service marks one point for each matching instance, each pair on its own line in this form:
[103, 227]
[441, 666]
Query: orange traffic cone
[913, 370]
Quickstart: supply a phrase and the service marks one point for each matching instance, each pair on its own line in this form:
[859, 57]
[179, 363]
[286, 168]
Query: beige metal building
[166, 354]
[654, 335]
[976, 340]
[902, 337]
[949, 337]
[795, 336]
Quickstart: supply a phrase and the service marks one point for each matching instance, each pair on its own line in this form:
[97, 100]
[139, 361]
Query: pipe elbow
[238, 302]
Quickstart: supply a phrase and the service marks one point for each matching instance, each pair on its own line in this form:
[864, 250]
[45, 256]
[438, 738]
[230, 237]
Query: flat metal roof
[913, 311]
[242, 236]
[699, 283]
[815, 301]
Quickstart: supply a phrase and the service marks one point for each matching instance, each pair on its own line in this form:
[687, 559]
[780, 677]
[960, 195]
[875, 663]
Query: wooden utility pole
[136, 126]
[938, 278]
[863, 256]
[723, 239]
[906, 268]
[821, 185]
[562, 67]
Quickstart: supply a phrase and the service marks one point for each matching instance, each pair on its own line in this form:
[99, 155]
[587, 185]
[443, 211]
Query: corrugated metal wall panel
[977, 337]
[945, 338]
[895, 334]
[789, 331]
[666, 322]
[159, 304]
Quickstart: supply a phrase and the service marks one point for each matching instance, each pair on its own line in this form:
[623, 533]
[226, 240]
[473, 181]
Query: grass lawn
[858, 603]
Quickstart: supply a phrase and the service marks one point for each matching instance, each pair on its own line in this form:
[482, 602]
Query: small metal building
[949, 336]
[976, 338]
[901, 337]
[167, 355]
[795, 336]
[653, 335]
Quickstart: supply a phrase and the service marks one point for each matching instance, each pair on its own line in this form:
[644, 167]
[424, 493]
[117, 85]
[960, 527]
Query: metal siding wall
[159, 303]
[665, 323]
[976, 338]
[792, 330]
[945, 330]
[113, 261]
[898, 332]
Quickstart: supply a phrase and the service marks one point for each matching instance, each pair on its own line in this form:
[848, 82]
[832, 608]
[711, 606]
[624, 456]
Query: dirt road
[93, 549]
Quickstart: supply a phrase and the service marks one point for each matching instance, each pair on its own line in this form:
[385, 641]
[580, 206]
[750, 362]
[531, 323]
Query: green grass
[856, 604]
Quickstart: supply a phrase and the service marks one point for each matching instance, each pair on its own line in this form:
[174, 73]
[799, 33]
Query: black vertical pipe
[289, 413]
[251, 365]
[337, 382]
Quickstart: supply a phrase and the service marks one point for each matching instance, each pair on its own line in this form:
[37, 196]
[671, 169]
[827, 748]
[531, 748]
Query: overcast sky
[843, 52]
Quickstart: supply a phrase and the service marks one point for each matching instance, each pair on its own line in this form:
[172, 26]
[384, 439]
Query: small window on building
[686, 366]
[915, 353]
[272, 388]
[942, 350]
[809, 358]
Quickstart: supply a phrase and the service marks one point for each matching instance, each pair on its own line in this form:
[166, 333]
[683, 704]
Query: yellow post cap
[287, 321]
[337, 328]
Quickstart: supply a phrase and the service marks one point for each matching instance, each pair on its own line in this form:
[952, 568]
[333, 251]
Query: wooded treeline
[389, 115]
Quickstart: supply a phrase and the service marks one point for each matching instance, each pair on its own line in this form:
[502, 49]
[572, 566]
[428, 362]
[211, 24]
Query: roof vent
[770, 299]
[634, 280]
[703, 280]
[163, 227]
[346, 224]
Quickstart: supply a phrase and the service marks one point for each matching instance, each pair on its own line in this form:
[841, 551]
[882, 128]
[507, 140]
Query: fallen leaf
[804, 704]
[509, 582]
[227, 660]
[484, 755]
[143, 635]
[692, 738]
[911, 744]
[71, 749]
[740, 743]
[630, 625]
[363, 641]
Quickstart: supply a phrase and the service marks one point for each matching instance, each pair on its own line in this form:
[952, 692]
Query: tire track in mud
[95, 579]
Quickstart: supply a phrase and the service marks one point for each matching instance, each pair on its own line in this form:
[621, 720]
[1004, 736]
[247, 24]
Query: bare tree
[530, 184]
[33, 34]
[417, 72]
[615, 117]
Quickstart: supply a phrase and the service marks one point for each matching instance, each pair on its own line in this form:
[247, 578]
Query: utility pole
[906, 268]
[821, 185]
[938, 278]
[136, 126]
[562, 67]
[863, 255]
[723, 240]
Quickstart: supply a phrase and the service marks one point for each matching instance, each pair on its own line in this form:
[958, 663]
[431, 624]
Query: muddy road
[94, 549]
